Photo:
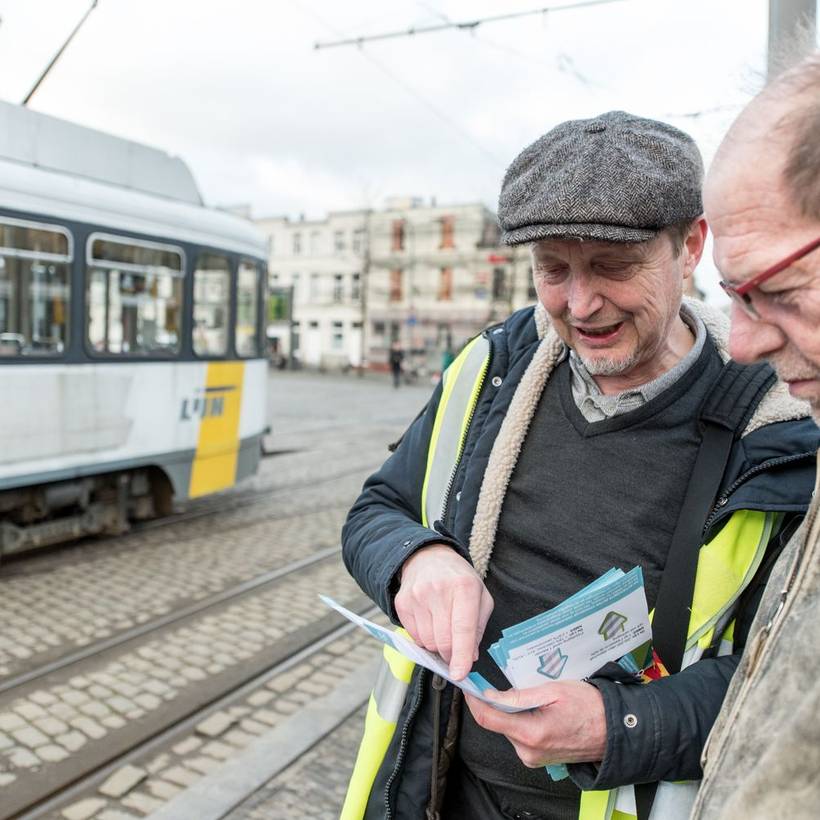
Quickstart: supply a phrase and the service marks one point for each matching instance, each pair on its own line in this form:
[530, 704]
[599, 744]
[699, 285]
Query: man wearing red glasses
[763, 202]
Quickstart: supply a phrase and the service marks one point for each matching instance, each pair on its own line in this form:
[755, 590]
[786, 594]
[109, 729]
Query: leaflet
[603, 622]
[473, 684]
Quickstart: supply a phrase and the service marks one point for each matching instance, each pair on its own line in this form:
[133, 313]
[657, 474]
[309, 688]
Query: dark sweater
[584, 497]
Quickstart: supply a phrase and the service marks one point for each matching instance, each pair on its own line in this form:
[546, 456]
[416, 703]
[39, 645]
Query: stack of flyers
[605, 621]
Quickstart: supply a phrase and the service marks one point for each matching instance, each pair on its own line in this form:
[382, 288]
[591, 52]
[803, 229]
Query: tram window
[134, 296]
[34, 289]
[212, 288]
[247, 309]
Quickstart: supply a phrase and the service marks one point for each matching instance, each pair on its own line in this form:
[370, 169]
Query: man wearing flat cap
[604, 427]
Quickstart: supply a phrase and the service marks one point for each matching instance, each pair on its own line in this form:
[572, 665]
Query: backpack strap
[723, 416]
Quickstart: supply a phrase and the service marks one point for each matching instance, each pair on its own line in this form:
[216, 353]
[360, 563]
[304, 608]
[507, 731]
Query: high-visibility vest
[726, 565]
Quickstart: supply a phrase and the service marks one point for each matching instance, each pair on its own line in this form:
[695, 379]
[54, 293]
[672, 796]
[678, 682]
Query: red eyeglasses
[742, 293]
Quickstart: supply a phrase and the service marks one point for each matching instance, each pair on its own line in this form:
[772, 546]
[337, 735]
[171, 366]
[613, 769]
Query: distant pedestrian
[396, 360]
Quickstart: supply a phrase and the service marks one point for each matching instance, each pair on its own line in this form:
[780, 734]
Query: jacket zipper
[724, 497]
[473, 404]
[388, 812]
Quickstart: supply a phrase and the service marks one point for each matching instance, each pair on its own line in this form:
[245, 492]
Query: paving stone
[42, 698]
[260, 698]
[84, 809]
[95, 709]
[75, 698]
[51, 753]
[89, 727]
[162, 790]
[253, 727]
[51, 726]
[218, 750]
[30, 737]
[9, 721]
[121, 704]
[238, 738]
[266, 716]
[148, 701]
[142, 803]
[30, 711]
[72, 740]
[7, 778]
[215, 724]
[180, 776]
[190, 744]
[62, 711]
[159, 763]
[122, 781]
[116, 814]
[113, 722]
[24, 759]
[79, 682]
[203, 765]
[5, 741]
[312, 688]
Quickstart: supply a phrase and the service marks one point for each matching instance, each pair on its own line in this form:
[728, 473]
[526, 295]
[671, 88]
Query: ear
[693, 246]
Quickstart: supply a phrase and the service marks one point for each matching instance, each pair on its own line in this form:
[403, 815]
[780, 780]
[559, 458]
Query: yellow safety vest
[726, 565]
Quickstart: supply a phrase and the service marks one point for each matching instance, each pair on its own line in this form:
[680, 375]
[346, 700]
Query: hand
[444, 605]
[566, 725]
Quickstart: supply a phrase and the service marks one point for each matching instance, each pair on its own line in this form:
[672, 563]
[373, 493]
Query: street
[132, 667]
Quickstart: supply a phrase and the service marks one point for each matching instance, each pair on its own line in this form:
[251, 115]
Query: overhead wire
[418, 96]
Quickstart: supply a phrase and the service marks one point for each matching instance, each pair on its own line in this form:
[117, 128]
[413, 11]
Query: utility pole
[792, 32]
[59, 53]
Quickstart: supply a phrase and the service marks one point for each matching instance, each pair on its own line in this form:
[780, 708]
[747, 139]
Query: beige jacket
[762, 759]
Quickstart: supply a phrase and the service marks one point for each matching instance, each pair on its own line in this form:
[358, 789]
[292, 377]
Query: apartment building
[428, 276]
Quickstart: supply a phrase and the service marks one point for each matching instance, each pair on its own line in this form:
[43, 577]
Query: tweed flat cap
[616, 178]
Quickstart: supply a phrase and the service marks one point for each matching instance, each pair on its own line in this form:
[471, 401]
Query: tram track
[233, 593]
[57, 794]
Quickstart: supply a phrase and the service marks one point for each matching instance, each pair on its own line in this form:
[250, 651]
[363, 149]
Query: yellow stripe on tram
[214, 466]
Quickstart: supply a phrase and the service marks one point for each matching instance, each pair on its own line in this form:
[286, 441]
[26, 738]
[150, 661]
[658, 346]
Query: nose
[583, 299]
[751, 341]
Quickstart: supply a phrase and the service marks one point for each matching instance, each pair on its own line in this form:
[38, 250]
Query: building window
[378, 328]
[337, 337]
[313, 293]
[358, 240]
[499, 284]
[212, 289]
[448, 239]
[35, 260]
[313, 325]
[338, 287]
[315, 243]
[395, 292]
[273, 278]
[445, 285]
[294, 280]
[271, 245]
[297, 243]
[356, 287]
[134, 296]
[338, 241]
[397, 236]
[247, 309]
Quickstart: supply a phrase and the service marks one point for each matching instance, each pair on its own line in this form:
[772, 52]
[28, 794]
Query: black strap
[724, 415]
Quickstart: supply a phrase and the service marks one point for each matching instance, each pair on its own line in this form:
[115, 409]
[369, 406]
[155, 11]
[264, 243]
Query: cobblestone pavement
[58, 601]
[315, 785]
[91, 591]
[138, 789]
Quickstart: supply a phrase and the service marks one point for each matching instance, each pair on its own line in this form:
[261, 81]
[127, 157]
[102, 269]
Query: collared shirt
[595, 406]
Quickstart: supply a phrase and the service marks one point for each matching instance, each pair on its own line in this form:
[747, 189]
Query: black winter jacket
[770, 469]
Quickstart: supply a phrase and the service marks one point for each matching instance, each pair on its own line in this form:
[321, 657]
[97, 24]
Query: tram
[132, 367]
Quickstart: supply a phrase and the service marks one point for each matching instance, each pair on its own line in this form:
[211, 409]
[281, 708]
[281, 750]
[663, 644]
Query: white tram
[132, 362]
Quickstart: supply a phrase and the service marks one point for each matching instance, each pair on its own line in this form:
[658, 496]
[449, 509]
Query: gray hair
[800, 85]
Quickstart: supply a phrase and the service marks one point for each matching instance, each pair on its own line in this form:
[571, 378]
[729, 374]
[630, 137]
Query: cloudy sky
[238, 90]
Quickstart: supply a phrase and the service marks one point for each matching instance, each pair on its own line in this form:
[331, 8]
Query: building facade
[424, 275]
